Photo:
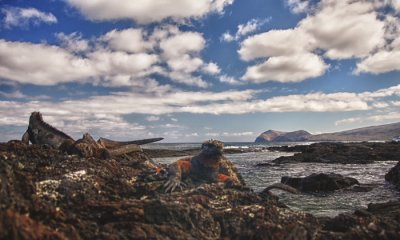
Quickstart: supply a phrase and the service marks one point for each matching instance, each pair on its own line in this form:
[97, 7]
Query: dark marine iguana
[208, 166]
[40, 132]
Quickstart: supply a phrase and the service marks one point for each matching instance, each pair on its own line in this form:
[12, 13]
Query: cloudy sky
[192, 70]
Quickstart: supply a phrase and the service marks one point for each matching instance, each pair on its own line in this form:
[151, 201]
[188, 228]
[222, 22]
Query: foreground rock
[45, 194]
[346, 153]
[378, 221]
[393, 176]
[321, 182]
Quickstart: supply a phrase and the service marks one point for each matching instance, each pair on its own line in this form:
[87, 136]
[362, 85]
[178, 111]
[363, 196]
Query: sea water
[321, 204]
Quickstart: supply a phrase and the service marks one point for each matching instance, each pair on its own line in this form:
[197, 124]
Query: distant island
[385, 132]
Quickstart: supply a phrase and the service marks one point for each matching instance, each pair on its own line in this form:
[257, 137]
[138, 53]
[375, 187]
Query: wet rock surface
[45, 194]
[322, 182]
[346, 153]
[393, 176]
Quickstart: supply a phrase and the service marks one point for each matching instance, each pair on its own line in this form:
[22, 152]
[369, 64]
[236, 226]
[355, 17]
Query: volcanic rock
[321, 182]
[345, 153]
[393, 176]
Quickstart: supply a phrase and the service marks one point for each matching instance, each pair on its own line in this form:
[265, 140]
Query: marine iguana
[208, 166]
[40, 132]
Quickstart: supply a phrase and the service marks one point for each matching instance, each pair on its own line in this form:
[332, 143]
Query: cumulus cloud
[211, 68]
[130, 40]
[275, 43]
[73, 42]
[181, 52]
[148, 11]
[345, 29]
[333, 29]
[126, 57]
[23, 17]
[285, 69]
[42, 64]
[244, 29]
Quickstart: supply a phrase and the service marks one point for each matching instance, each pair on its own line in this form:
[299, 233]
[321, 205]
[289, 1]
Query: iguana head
[212, 148]
[35, 116]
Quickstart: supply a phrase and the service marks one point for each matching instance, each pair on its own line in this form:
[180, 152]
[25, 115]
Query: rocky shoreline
[337, 152]
[47, 194]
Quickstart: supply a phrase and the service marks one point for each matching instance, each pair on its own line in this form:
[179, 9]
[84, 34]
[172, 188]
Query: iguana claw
[173, 184]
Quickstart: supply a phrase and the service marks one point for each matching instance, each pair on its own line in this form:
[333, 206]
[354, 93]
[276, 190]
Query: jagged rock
[321, 182]
[47, 194]
[393, 176]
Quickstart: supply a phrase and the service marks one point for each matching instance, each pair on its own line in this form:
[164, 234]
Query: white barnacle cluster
[287, 214]
[48, 189]
[76, 176]
[131, 181]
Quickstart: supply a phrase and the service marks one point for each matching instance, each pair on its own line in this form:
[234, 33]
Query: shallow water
[329, 204]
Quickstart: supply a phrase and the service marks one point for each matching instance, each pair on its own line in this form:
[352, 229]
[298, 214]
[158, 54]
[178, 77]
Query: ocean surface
[327, 204]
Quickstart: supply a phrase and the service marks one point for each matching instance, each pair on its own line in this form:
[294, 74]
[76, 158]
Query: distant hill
[375, 133]
[276, 136]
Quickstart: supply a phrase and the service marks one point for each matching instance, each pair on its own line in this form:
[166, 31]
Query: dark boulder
[321, 182]
[393, 176]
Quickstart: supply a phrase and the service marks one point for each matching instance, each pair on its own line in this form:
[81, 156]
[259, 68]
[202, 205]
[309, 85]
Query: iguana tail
[125, 149]
[282, 186]
[114, 144]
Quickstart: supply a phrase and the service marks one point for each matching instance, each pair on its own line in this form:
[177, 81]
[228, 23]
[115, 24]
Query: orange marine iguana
[208, 166]
[40, 132]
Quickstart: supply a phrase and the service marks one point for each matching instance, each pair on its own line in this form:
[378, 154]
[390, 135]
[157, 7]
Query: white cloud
[249, 27]
[298, 6]
[150, 10]
[41, 64]
[244, 29]
[390, 116]
[129, 40]
[275, 43]
[15, 94]
[237, 134]
[23, 17]
[107, 114]
[285, 69]
[118, 58]
[380, 62]
[180, 50]
[227, 37]
[211, 68]
[229, 80]
[73, 42]
[345, 29]
[334, 29]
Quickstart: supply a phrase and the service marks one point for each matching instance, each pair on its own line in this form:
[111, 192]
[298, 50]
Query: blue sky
[193, 70]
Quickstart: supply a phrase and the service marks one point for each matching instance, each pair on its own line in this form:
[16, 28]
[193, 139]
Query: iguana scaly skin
[208, 166]
[40, 132]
